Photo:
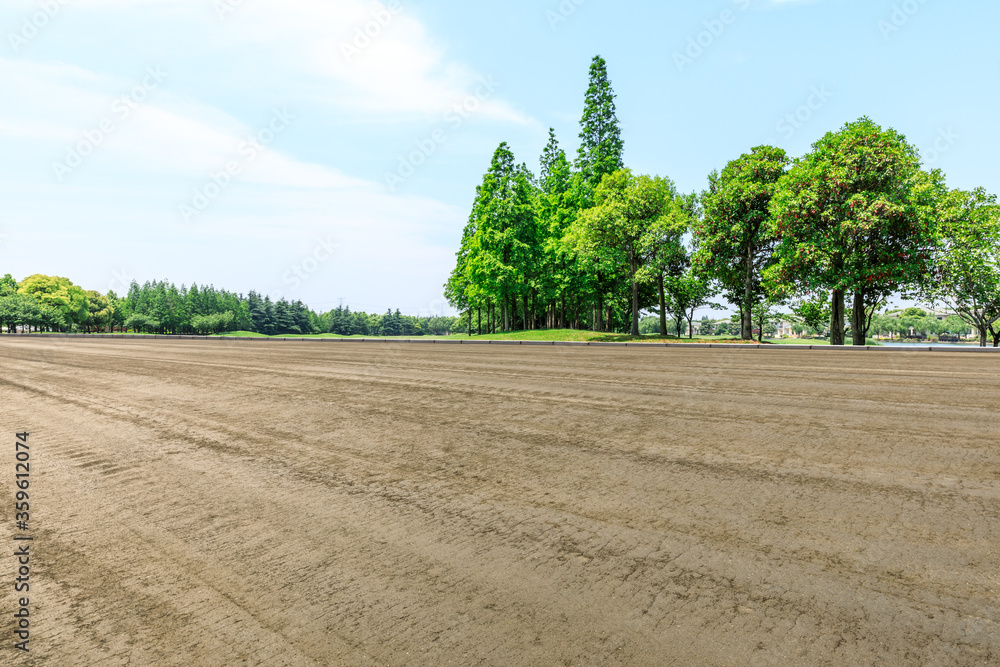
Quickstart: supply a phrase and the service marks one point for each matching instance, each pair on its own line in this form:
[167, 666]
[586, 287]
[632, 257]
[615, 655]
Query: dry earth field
[291, 503]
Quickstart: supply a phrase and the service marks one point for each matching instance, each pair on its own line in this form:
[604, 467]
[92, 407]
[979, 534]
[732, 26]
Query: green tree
[502, 245]
[392, 324]
[59, 293]
[17, 310]
[141, 323]
[8, 285]
[764, 314]
[706, 327]
[557, 207]
[957, 326]
[668, 256]
[100, 311]
[284, 321]
[631, 213]
[967, 260]
[687, 293]
[261, 313]
[855, 215]
[814, 313]
[556, 171]
[459, 289]
[26, 311]
[601, 144]
[649, 325]
[118, 306]
[734, 239]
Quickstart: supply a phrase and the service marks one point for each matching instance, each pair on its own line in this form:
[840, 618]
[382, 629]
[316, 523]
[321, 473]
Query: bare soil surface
[292, 503]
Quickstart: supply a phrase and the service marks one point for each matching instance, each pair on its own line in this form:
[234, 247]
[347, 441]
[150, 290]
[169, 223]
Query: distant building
[931, 312]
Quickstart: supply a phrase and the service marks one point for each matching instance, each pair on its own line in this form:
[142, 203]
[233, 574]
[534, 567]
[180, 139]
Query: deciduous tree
[734, 238]
[966, 273]
[855, 215]
[630, 216]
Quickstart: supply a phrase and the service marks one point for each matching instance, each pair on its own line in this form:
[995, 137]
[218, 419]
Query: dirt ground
[291, 503]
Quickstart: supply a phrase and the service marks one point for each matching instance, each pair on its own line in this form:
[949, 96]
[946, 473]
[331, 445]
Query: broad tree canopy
[855, 215]
[967, 259]
[734, 238]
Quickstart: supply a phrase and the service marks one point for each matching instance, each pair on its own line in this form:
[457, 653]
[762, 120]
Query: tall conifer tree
[601, 144]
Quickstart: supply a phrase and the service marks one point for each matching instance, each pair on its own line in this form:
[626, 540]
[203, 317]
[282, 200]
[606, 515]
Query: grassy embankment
[560, 335]
[572, 335]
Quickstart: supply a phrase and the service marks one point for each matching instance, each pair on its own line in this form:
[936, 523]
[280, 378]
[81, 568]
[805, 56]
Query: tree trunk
[611, 320]
[635, 307]
[837, 318]
[747, 308]
[859, 319]
[600, 309]
[746, 314]
[663, 305]
[633, 266]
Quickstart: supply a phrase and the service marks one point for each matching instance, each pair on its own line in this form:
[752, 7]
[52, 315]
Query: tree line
[588, 244]
[54, 304]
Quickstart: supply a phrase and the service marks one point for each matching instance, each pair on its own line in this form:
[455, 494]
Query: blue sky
[261, 144]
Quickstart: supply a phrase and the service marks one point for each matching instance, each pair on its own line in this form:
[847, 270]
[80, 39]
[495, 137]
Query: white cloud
[399, 70]
[121, 207]
[65, 107]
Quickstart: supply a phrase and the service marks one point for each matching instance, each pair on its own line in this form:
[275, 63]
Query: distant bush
[649, 325]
